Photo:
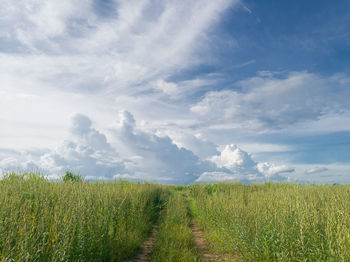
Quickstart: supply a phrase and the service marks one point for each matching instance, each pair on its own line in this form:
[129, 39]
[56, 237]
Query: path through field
[202, 245]
[177, 237]
[147, 246]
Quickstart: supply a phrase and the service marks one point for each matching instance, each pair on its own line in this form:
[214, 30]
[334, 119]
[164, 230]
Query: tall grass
[174, 239]
[50, 221]
[276, 222]
[78, 221]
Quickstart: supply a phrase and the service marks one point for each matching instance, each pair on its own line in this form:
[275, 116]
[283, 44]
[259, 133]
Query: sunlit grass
[276, 222]
[174, 239]
[80, 221]
[51, 221]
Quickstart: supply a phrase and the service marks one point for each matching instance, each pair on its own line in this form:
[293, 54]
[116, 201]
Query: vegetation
[54, 221]
[50, 221]
[276, 222]
[174, 240]
[71, 177]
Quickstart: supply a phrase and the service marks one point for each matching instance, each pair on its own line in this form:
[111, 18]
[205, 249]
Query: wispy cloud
[140, 42]
[270, 101]
[316, 170]
[84, 57]
[177, 67]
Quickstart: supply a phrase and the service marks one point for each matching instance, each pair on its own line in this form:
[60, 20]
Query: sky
[176, 92]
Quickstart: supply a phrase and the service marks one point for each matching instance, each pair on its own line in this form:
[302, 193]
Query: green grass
[276, 222]
[174, 239]
[80, 221]
[50, 221]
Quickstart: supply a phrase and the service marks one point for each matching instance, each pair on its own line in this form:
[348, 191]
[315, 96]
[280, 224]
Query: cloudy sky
[176, 91]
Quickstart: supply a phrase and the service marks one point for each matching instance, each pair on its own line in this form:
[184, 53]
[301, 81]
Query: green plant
[276, 222]
[43, 220]
[174, 239]
[71, 177]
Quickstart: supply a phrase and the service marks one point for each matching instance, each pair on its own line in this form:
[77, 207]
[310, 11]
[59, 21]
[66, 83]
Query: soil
[203, 247]
[147, 246]
[199, 239]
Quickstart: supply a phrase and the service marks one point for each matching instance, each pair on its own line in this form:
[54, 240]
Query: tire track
[147, 246]
[202, 246]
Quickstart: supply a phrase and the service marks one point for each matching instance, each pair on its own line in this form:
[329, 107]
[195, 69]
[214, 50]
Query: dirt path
[147, 246]
[202, 245]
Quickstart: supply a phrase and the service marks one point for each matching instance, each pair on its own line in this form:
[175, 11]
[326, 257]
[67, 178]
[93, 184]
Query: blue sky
[176, 92]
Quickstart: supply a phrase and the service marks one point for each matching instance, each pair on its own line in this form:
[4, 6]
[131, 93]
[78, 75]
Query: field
[42, 220]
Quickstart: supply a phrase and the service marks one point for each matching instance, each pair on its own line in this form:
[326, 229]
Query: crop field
[43, 220]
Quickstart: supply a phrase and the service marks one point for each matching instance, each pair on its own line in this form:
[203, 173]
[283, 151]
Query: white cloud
[153, 157]
[86, 152]
[134, 155]
[97, 57]
[168, 88]
[322, 173]
[238, 165]
[271, 101]
[79, 56]
[234, 158]
[138, 155]
[315, 170]
[212, 177]
[200, 146]
[141, 42]
[17, 163]
[264, 147]
[271, 169]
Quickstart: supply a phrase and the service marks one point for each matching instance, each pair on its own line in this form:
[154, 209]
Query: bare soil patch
[203, 247]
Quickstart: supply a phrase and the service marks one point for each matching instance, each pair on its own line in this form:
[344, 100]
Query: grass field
[276, 222]
[50, 221]
[80, 221]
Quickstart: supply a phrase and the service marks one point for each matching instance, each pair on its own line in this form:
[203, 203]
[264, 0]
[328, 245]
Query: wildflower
[102, 235]
[53, 240]
[21, 230]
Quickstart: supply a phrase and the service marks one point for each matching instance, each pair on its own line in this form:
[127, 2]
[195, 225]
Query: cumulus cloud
[272, 101]
[136, 154]
[18, 162]
[232, 157]
[153, 157]
[200, 146]
[86, 152]
[238, 165]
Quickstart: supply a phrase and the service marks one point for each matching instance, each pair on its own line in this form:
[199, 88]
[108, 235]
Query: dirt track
[202, 246]
[147, 246]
